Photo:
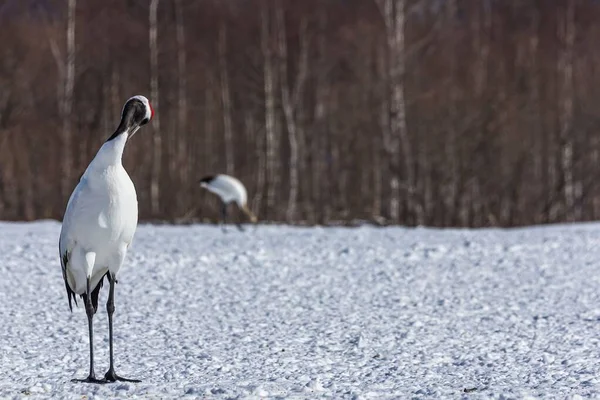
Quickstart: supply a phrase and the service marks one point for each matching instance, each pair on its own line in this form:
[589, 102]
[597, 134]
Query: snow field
[306, 313]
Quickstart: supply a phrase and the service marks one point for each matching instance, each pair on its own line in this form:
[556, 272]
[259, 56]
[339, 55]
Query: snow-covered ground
[305, 313]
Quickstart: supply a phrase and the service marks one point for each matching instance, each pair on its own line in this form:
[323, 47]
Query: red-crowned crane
[229, 189]
[98, 227]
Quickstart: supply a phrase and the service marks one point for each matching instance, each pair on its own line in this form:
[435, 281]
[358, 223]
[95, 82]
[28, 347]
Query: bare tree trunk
[154, 93]
[290, 102]
[27, 189]
[304, 188]
[288, 113]
[393, 12]
[111, 107]
[376, 142]
[428, 184]
[67, 146]
[470, 189]
[269, 88]
[10, 174]
[209, 126]
[259, 140]
[319, 142]
[451, 147]
[226, 101]
[182, 144]
[393, 144]
[60, 68]
[566, 116]
[376, 168]
[535, 115]
[384, 116]
[6, 174]
[483, 49]
[398, 118]
[298, 102]
[115, 102]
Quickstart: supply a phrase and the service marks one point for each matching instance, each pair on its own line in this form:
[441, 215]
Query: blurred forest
[414, 112]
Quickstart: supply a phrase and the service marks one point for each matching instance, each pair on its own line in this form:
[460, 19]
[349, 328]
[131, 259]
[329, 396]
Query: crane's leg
[239, 225]
[110, 375]
[223, 217]
[89, 310]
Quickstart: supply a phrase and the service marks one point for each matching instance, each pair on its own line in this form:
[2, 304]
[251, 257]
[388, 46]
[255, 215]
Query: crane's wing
[82, 203]
[64, 261]
[66, 243]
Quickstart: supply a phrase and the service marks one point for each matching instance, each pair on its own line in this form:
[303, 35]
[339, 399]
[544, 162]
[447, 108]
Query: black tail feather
[71, 295]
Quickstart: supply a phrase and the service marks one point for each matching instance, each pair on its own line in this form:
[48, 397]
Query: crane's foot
[90, 379]
[111, 376]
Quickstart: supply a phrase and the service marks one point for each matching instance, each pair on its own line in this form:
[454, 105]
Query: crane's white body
[228, 188]
[100, 220]
[98, 227]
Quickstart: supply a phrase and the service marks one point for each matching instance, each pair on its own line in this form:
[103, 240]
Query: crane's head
[139, 108]
[137, 111]
[204, 182]
[249, 213]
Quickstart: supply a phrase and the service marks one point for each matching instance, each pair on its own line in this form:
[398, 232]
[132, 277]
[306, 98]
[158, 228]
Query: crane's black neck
[207, 179]
[133, 116]
[128, 124]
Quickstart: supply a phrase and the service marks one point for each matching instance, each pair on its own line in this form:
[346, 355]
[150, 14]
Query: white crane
[99, 225]
[229, 189]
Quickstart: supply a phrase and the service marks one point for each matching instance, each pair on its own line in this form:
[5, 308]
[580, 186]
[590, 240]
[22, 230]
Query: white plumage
[229, 189]
[100, 221]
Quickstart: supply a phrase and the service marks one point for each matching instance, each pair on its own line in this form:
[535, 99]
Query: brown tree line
[443, 113]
